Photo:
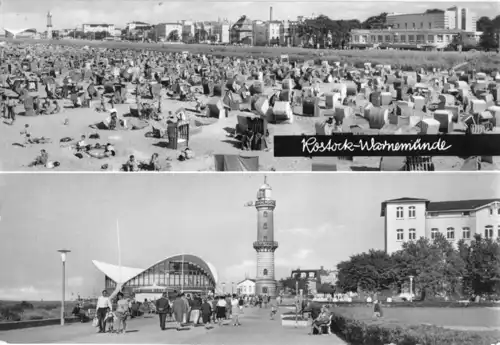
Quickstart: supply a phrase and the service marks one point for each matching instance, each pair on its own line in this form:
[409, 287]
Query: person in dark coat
[206, 312]
[180, 309]
[162, 307]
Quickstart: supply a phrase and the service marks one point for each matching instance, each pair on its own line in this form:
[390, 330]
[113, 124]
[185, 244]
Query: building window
[264, 290]
[265, 238]
[399, 235]
[265, 226]
[450, 233]
[466, 214]
[403, 38]
[413, 25]
[421, 25]
[430, 25]
[491, 211]
[388, 38]
[430, 38]
[406, 25]
[374, 39]
[381, 38]
[466, 233]
[265, 214]
[399, 213]
[411, 212]
[265, 271]
[488, 231]
[411, 39]
[412, 234]
[434, 232]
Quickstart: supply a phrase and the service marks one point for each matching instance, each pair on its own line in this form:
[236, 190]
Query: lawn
[14, 311]
[454, 317]
[408, 60]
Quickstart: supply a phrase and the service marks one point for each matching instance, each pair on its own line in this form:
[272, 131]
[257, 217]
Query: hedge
[419, 304]
[356, 332]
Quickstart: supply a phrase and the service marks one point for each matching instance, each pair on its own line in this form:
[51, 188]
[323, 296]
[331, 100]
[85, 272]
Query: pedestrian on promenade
[206, 312]
[180, 310]
[228, 307]
[195, 312]
[163, 308]
[221, 309]
[235, 310]
[104, 306]
[187, 308]
[121, 314]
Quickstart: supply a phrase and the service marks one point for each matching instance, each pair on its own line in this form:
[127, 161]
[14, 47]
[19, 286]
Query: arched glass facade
[186, 272]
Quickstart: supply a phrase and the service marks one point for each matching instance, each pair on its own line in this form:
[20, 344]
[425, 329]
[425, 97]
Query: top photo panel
[114, 85]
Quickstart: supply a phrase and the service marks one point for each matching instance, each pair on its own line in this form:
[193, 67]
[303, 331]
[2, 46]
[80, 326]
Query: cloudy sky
[320, 219]
[18, 14]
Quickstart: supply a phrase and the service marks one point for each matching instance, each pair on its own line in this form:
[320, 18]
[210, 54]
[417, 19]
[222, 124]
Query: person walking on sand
[121, 314]
[163, 308]
[104, 305]
[235, 310]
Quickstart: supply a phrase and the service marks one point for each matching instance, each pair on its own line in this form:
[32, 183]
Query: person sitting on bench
[322, 320]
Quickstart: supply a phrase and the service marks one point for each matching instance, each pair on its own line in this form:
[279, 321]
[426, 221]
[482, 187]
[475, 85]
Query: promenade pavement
[256, 328]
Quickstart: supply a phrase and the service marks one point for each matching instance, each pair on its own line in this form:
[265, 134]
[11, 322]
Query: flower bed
[376, 332]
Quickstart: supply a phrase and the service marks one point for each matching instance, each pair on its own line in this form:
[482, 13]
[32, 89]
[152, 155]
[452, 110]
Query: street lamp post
[411, 288]
[63, 259]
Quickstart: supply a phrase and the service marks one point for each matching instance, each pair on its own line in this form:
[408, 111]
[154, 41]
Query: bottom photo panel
[292, 258]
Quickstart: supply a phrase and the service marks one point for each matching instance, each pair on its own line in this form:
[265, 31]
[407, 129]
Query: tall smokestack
[271, 13]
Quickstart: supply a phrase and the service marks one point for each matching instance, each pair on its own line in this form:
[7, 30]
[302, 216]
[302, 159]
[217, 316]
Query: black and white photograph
[250, 259]
[157, 85]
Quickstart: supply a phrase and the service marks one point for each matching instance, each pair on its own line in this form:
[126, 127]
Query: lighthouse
[49, 25]
[265, 246]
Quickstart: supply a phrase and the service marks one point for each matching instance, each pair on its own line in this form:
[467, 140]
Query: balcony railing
[265, 244]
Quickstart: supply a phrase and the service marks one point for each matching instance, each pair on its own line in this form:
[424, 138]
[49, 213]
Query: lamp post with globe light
[63, 259]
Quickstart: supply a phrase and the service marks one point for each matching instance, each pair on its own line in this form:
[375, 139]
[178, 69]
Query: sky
[19, 14]
[320, 220]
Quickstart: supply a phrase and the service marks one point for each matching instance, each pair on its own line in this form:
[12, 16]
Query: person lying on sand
[80, 146]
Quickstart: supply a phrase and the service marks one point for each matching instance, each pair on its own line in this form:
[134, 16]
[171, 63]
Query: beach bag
[95, 322]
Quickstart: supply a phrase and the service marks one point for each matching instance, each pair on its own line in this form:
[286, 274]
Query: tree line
[438, 269]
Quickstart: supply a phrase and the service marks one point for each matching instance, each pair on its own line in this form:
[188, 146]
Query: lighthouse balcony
[265, 245]
[265, 203]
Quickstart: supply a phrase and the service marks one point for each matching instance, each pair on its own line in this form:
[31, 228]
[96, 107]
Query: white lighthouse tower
[265, 244]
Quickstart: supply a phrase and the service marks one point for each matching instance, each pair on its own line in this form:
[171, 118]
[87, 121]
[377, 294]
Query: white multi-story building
[431, 29]
[109, 28]
[246, 287]
[222, 30]
[408, 219]
[454, 18]
[273, 32]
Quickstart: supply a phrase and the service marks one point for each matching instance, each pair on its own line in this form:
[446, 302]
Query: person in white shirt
[235, 310]
[221, 309]
[104, 305]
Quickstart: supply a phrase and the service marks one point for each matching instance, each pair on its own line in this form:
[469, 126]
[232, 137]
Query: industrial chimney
[271, 14]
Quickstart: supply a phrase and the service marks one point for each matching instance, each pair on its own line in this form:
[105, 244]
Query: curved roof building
[182, 272]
